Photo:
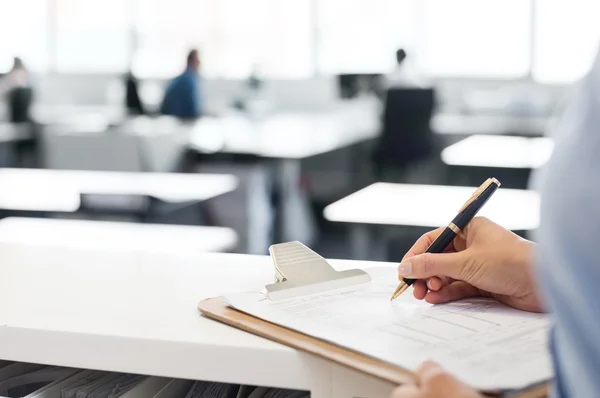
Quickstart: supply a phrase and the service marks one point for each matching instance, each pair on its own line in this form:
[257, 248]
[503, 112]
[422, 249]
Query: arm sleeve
[190, 98]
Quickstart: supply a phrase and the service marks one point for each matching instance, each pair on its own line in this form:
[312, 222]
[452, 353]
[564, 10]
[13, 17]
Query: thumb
[427, 265]
[427, 371]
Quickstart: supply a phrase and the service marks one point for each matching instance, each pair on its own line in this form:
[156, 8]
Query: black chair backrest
[20, 100]
[132, 98]
[406, 135]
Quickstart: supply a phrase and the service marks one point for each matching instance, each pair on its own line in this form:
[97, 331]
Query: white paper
[484, 343]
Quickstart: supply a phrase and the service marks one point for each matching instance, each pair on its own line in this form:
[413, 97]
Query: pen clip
[478, 192]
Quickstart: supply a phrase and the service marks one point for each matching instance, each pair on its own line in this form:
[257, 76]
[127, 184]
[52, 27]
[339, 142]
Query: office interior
[304, 134]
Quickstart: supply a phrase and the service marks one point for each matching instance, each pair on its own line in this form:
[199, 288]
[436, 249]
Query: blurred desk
[81, 115]
[285, 136]
[61, 190]
[14, 132]
[111, 236]
[499, 151]
[510, 159]
[168, 187]
[458, 124]
[429, 206]
[287, 139]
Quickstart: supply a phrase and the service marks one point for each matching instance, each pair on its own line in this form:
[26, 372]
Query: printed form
[484, 343]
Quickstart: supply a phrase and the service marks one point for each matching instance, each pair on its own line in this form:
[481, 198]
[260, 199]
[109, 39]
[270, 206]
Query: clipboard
[219, 310]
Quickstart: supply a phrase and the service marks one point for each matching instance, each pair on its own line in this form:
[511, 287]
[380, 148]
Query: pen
[466, 213]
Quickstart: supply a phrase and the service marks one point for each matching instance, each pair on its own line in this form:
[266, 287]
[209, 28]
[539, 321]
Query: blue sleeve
[191, 98]
[567, 256]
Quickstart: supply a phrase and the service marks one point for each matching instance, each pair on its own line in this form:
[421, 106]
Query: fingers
[421, 287]
[454, 291]
[419, 290]
[427, 371]
[407, 391]
[423, 243]
[434, 283]
[433, 382]
[427, 265]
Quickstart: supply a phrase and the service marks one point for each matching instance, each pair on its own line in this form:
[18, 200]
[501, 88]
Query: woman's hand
[484, 260]
[433, 382]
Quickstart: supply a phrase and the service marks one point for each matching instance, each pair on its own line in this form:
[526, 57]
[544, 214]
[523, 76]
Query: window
[566, 39]
[287, 40]
[475, 38]
[272, 36]
[165, 31]
[362, 36]
[23, 28]
[93, 35]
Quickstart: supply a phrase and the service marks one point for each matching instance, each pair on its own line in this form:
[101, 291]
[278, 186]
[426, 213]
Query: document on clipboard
[486, 344]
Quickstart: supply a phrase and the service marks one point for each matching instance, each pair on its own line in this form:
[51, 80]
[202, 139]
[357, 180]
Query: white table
[464, 124]
[60, 190]
[429, 206]
[15, 132]
[499, 151]
[136, 312]
[78, 115]
[111, 236]
[287, 139]
[286, 136]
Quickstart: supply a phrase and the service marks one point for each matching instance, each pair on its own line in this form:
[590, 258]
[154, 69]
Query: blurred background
[226, 125]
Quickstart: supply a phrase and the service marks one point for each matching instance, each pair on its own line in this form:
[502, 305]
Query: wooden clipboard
[217, 309]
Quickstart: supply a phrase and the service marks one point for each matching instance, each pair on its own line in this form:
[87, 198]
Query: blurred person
[182, 97]
[18, 76]
[560, 273]
[133, 103]
[16, 85]
[405, 73]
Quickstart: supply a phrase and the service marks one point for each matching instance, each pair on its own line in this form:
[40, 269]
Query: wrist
[526, 254]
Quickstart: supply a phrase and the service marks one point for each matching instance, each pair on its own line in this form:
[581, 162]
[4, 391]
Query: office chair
[406, 138]
[19, 102]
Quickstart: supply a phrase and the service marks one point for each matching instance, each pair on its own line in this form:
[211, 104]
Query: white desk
[427, 206]
[14, 132]
[499, 151]
[136, 312]
[446, 123]
[79, 115]
[116, 235]
[23, 187]
[288, 138]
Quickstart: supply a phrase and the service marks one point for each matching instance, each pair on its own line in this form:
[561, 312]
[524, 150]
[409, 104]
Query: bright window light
[23, 28]
[93, 35]
[566, 39]
[362, 36]
[474, 38]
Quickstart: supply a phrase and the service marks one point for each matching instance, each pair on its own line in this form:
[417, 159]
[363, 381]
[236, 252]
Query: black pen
[466, 213]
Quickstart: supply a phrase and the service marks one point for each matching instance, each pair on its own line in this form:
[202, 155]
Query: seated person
[15, 85]
[133, 102]
[182, 97]
[405, 74]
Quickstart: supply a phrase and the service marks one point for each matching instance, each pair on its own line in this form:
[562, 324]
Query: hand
[433, 382]
[483, 260]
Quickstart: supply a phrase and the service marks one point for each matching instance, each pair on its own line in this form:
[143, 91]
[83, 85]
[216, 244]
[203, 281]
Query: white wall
[311, 94]
[69, 89]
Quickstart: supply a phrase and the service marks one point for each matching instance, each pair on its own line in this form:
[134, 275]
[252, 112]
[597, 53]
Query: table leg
[360, 242]
[295, 219]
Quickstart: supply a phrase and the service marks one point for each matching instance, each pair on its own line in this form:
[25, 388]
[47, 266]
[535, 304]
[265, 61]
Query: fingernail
[429, 284]
[405, 268]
